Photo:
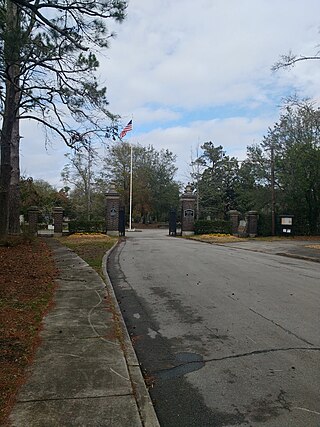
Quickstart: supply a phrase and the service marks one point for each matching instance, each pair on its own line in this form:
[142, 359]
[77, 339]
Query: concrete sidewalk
[85, 372]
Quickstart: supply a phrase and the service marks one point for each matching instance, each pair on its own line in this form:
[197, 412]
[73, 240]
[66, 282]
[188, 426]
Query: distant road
[227, 337]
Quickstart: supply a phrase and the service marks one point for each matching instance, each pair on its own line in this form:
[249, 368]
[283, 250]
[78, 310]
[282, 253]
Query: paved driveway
[225, 336]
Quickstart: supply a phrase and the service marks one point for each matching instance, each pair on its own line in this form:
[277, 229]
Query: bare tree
[79, 173]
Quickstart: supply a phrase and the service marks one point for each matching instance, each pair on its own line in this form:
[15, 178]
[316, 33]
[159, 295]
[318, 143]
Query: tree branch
[290, 60]
[46, 124]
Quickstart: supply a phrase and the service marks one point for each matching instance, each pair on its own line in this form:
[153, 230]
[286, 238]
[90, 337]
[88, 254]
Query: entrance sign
[286, 224]
[286, 221]
[189, 212]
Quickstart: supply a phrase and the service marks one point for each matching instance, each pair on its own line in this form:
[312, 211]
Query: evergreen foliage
[47, 70]
[212, 227]
[155, 190]
[295, 143]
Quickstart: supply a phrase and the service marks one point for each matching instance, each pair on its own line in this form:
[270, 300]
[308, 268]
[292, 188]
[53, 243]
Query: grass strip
[90, 247]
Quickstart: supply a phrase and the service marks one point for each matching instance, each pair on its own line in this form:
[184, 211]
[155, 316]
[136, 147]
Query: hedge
[82, 226]
[212, 227]
[264, 224]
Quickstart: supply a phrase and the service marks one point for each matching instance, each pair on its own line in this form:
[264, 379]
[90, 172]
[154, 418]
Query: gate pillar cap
[188, 193]
[188, 189]
[112, 190]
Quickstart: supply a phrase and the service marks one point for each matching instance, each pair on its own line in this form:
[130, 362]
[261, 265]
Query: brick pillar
[188, 201]
[57, 220]
[252, 226]
[234, 219]
[33, 213]
[112, 211]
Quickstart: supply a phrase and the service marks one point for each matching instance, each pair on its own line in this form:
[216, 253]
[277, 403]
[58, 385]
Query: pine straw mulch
[228, 238]
[216, 238]
[27, 274]
[313, 246]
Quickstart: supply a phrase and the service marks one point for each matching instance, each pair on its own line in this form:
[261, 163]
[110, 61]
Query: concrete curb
[144, 403]
[283, 254]
[303, 257]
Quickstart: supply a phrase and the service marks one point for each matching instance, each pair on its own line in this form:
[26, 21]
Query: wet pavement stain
[173, 302]
[266, 409]
[186, 363]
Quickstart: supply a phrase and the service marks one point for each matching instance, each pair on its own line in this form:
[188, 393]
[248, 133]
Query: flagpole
[130, 203]
[125, 130]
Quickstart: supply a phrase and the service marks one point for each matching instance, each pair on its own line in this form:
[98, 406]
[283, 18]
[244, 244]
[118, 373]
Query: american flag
[126, 129]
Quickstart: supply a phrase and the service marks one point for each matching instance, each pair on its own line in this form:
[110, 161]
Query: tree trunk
[5, 169]
[11, 54]
[14, 200]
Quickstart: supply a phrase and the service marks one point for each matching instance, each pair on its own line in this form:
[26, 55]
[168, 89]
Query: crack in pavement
[238, 356]
[281, 327]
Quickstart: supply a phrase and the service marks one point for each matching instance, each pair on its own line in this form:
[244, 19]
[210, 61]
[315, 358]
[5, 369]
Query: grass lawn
[90, 247]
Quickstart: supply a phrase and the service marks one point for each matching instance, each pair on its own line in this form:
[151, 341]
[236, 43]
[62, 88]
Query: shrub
[212, 227]
[83, 226]
[264, 224]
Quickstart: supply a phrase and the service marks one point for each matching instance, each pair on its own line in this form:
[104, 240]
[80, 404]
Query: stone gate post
[234, 219]
[188, 200]
[33, 213]
[57, 220]
[252, 226]
[112, 211]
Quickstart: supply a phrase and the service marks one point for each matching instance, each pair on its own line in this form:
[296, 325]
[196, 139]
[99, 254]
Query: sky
[188, 71]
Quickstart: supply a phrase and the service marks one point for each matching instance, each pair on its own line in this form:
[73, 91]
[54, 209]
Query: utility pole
[90, 155]
[195, 175]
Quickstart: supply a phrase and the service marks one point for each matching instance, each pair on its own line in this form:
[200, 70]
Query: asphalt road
[225, 337]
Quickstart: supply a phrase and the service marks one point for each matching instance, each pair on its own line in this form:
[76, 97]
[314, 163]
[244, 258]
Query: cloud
[190, 72]
[150, 115]
[174, 53]
[38, 159]
[234, 134]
